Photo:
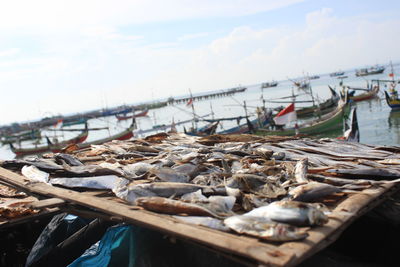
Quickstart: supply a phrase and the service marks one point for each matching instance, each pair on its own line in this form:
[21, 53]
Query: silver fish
[300, 172]
[95, 182]
[34, 174]
[170, 175]
[291, 212]
[162, 189]
[170, 206]
[264, 228]
[204, 221]
[312, 191]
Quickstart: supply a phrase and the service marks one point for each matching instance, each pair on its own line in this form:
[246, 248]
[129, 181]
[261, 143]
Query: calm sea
[378, 124]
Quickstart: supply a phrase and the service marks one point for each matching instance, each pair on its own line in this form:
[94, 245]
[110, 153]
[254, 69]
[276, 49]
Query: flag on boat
[391, 74]
[286, 115]
[189, 102]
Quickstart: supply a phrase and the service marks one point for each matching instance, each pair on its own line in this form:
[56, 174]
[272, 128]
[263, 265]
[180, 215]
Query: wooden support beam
[231, 243]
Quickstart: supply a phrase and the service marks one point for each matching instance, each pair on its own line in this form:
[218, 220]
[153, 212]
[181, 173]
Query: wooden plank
[46, 203]
[29, 218]
[232, 243]
[341, 217]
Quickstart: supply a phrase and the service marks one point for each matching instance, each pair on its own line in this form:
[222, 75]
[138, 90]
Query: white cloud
[9, 52]
[43, 16]
[192, 36]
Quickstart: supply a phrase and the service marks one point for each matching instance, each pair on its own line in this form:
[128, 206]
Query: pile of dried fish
[273, 188]
[13, 204]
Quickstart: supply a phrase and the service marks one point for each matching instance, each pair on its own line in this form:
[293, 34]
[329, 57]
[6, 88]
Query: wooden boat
[337, 73]
[370, 71]
[126, 117]
[392, 99]
[209, 129]
[368, 94]
[314, 77]
[329, 122]
[53, 147]
[21, 136]
[269, 84]
[325, 107]
[70, 122]
[124, 135]
[250, 126]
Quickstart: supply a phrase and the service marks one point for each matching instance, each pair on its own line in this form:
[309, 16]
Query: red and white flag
[286, 115]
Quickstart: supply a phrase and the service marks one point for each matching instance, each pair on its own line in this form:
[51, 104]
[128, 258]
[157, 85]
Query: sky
[62, 57]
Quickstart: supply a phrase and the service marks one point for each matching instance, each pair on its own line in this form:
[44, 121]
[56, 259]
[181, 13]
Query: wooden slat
[341, 217]
[46, 203]
[29, 218]
[241, 245]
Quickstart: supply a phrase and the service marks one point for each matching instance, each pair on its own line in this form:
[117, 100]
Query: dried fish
[34, 174]
[291, 212]
[370, 173]
[95, 182]
[67, 158]
[313, 191]
[170, 206]
[170, 175]
[162, 189]
[263, 228]
[204, 221]
[300, 172]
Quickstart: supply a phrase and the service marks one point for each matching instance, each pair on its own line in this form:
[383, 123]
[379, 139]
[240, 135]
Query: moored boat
[337, 73]
[53, 147]
[269, 84]
[368, 94]
[370, 71]
[329, 122]
[136, 115]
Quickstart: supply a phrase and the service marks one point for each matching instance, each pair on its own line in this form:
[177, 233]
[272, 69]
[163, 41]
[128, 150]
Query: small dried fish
[264, 228]
[67, 158]
[162, 189]
[291, 212]
[170, 175]
[300, 172]
[370, 173]
[170, 206]
[204, 221]
[95, 182]
[34, 174]
[313, 191]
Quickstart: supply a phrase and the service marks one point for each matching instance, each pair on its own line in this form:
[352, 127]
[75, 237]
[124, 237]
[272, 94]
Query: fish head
[317, 217]
[284, 232]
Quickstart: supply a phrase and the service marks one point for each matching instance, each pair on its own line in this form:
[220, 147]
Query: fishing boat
[50, 146]
[126, 117]
[325, 107]
[21, 136]
[208, 129]
[74, 121]
[370, 92]
[314, 77]
[124, 135]
[370, 71]
[352, 132]
[269, 84]
[337, 73]
[329, 122]
[251, 126]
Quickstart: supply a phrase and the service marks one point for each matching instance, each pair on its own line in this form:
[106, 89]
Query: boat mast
[194, 123]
